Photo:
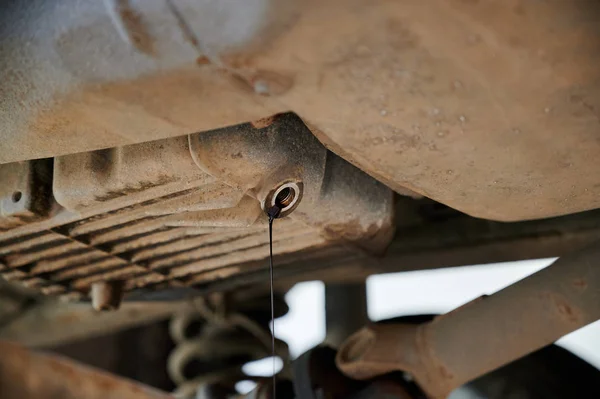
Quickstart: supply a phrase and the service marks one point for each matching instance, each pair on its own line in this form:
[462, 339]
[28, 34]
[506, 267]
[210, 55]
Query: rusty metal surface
[25, 193]
[173, 212]
[49, 323]
[336, 197]
[489, 107]
[424, 244]
[486, 333]
[29, 375]
[445, 240]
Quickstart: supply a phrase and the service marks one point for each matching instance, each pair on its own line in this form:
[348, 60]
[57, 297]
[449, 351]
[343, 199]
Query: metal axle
[484, 334]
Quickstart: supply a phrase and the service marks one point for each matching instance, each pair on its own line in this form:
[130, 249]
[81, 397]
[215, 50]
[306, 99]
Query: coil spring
[213, 345]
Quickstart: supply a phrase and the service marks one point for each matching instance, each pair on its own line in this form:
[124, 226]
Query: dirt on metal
[172, 212]
[489, 107]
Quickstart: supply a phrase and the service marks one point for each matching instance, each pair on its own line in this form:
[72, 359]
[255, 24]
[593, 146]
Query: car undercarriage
[146, 144]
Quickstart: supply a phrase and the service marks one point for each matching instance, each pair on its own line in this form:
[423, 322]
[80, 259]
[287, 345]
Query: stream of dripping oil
[273, 212]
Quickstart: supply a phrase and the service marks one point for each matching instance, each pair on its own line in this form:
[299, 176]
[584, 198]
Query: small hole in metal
[285, 197]
[17, 195]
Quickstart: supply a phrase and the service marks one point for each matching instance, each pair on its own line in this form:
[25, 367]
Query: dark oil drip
[273, 212]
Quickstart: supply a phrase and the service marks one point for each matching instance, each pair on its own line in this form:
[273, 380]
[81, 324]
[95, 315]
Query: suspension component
[216, 341]
[484, 334]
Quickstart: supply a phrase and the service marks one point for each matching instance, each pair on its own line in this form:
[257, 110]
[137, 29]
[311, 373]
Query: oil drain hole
[16, 196]
[286, 197]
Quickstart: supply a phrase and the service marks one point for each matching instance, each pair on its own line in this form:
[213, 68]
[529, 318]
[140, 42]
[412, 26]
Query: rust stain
[580, 283]
[565, 310]
[186, 30]
[263, 122]
[144, 185]
[136, 29]
[202, 60]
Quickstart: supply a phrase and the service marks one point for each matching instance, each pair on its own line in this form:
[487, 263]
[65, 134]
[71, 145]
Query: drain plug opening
[285, 197]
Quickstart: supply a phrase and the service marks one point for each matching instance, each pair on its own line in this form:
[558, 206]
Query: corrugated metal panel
[67, 259]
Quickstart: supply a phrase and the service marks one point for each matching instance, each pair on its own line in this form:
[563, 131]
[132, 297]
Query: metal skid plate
[489, 107]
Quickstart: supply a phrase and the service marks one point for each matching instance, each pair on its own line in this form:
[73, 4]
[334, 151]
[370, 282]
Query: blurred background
[145, 353]
[413, 293]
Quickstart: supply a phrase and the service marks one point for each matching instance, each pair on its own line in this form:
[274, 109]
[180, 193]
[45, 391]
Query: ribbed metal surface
[133, 245]
[181, 211]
